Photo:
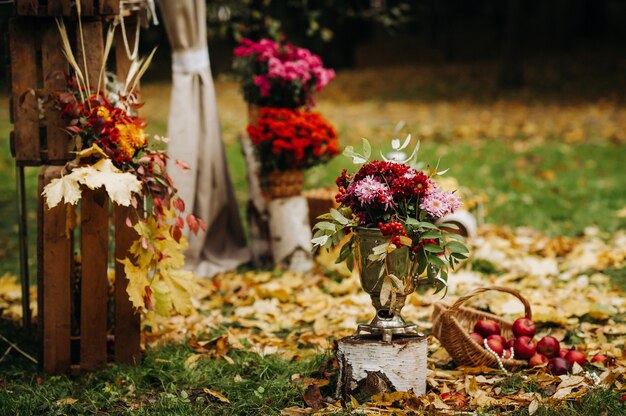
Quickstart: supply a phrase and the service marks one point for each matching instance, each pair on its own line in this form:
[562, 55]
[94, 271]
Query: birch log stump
[291, 233]
[369, 366]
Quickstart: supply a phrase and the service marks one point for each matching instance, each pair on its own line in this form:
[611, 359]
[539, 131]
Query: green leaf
[456, 247]
[449, 225]
[338, 217]
[459, 256]
[350, 262]
[433, 248]
[346, 250]
[431, 234]
[325, 226]
[436, 261]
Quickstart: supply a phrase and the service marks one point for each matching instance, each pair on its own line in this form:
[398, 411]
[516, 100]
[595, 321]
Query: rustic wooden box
[83, 322]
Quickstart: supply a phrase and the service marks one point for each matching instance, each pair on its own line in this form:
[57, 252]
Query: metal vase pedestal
[388, 320]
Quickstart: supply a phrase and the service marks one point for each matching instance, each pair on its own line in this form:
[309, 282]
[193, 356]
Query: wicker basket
[452, 325]
[283, 184]
[320, 202]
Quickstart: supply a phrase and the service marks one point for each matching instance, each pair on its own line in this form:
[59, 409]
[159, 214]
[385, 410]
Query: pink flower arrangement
[382, 191]
[404, 204]
[279, 75]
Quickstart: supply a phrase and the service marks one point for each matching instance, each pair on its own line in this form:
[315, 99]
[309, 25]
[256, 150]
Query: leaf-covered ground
[548, 158]
[570, 283]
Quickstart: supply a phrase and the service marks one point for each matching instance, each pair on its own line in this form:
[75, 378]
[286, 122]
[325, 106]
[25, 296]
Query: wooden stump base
[369, 366]
[291, 233]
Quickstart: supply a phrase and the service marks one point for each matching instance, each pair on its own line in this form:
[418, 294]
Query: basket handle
[463, 299]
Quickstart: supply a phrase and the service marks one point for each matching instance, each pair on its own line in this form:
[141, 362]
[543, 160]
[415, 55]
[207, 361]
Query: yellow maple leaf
[180, 284]
[162, 298]
[137, 282]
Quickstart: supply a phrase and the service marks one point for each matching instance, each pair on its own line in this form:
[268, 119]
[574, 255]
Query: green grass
[162, 385]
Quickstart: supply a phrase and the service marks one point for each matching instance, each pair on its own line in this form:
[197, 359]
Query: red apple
[524, 347]
[599, 358]
[499, 338]
[549, 346]
[524, 327]
[506, 354]
[575, 356]
[496, 346]
[477, 338]
[487, 327]
[563, 352]
[509, 344]
[558, 366]
[454, 398]
[537, 359]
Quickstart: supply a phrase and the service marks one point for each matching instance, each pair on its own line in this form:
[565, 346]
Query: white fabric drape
[196, 139]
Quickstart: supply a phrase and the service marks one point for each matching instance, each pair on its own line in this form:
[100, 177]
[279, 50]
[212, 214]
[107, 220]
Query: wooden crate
[83, 322]
[79, 313]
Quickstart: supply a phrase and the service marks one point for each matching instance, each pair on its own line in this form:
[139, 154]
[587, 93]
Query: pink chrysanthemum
[435, 204]
[453, 200]
[369, 190]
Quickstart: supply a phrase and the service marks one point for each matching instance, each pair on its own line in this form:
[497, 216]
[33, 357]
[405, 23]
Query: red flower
[292, 139]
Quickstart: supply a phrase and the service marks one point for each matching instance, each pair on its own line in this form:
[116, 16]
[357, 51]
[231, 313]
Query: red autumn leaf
[192, 221]
[183, 166]
[313, 397]
[202, 224]
[179, 204]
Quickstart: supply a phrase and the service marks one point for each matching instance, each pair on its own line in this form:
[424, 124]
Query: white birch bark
[371, 366]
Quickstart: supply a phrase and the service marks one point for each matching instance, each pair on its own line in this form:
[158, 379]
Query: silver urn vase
[388, 320]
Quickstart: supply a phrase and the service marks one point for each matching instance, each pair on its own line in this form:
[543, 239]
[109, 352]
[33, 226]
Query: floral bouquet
[292, 139]
[112, 151]
[279, 74]
[401, 204]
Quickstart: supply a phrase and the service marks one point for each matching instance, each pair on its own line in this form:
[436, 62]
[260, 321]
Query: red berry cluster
[423, 243]
[395, 230]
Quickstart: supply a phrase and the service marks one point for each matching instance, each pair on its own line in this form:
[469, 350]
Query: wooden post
[54, 67]
[369, 366]
[54, 282]
[94, 241]
[24, 112]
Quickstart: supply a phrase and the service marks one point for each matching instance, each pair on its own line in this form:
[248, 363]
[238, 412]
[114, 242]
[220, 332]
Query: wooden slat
[87, 7]
[26, 7]
[54, 68]
[110, 7]
[55, 281]
[59, 7]
[93, 304]
[24, 82]
[94, 48]
[127, 321]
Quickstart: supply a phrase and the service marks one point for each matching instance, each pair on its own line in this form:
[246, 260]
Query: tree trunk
[369, 366]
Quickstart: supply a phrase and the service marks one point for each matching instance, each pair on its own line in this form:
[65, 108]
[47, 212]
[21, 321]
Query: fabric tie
[190, 61]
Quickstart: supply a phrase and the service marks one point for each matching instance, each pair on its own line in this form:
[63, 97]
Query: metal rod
[23, 243]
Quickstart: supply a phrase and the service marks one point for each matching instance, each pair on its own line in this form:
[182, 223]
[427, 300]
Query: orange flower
[131, 138]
